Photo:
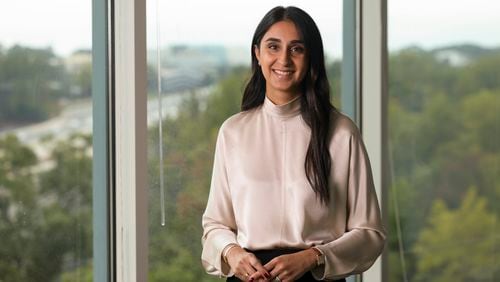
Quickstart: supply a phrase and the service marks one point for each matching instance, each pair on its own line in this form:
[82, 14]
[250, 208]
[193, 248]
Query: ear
[256, 50]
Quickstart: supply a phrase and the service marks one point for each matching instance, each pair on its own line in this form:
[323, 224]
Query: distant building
[79, 66]
[77, 60]
[452, 57]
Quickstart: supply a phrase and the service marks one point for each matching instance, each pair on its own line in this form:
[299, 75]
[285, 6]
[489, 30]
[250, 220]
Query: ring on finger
[277, 279]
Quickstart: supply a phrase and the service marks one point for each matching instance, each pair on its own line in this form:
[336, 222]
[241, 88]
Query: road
[77, 118]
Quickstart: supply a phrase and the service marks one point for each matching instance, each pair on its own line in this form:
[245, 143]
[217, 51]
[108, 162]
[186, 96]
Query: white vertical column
[373, 93]
[130, 140]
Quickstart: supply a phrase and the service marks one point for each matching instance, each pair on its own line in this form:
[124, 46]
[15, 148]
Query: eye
[297, 49]
[273, 47]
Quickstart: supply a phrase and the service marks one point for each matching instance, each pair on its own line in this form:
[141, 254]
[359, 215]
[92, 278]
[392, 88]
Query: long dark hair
[315, 99]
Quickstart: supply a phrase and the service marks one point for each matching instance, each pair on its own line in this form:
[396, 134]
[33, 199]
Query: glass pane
[45, 141]
[205, 62]
[444, 124]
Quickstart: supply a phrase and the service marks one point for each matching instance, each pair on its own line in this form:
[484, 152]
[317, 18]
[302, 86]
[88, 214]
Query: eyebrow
[272, 39]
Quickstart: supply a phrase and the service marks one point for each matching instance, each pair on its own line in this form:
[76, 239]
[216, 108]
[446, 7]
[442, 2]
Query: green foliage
[81, 274]
[415, 75]
[402, 199]
[402, 138]
[333, 71]
[189, 142]
[31, 82]
[440, 139]
[82, 79]
[17, 200]
[432, 135]
[45, 210]
[482, 120]
[16, 177]
[34, 83]
[70, 181]
[459, 245]
[444, 125]
[481, 74]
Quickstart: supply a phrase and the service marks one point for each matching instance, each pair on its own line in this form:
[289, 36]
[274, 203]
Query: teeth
[283, 72]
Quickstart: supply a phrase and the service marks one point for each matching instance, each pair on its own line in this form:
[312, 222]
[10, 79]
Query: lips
[283, 72]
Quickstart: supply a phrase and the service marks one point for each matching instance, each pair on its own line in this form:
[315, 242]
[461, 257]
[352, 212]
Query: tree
[45, 210]
[415, 75]
[459, 245]
[17, 207]
[32, 82]
[189, 142]
[443, 128]
[82, 79]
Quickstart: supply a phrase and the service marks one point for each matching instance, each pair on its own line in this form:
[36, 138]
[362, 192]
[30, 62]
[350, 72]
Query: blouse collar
[290, 109]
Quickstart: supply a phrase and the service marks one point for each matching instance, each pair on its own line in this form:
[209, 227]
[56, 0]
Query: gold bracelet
[226, 251]
[320, 259]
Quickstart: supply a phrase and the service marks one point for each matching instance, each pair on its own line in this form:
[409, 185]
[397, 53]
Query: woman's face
[283, 60]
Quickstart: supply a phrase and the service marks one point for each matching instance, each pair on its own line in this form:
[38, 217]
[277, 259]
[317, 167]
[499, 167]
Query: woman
[292, 195]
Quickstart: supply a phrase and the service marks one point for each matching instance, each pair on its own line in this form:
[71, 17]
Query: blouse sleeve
[219, 227]
[358, 248]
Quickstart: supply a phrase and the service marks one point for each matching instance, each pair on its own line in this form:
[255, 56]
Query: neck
[281, 98]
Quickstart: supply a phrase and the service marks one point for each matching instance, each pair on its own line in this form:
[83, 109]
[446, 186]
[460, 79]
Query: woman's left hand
[291, 267]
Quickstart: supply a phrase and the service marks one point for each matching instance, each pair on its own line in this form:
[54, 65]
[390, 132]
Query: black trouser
[265, 256]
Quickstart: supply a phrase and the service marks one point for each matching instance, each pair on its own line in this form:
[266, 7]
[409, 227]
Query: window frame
[102, 146]
[364, 95]
[119, 97]
[373, 108]
[130, 135]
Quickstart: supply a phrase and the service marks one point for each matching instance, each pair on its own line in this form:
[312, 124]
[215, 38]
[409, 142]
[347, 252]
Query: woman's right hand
[245, 265]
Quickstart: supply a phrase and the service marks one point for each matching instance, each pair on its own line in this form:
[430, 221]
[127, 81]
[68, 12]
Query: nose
[284, 57]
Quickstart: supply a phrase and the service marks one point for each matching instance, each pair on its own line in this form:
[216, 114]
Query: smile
[283, 73]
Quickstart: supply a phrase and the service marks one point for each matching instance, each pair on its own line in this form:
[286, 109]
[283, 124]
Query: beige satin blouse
[260, 197]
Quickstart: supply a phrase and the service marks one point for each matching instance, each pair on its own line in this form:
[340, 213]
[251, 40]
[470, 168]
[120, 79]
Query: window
[45, 141]
[444, 141]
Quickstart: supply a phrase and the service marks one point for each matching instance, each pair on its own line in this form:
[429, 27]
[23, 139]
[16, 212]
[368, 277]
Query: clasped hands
[284, 268]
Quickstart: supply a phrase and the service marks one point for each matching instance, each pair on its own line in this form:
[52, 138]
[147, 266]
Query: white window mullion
[373, 102]
[130, 140]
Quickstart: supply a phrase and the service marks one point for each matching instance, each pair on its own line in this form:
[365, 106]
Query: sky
[65, 25]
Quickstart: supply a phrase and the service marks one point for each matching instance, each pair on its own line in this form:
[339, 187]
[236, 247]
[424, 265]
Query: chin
[285, 88]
